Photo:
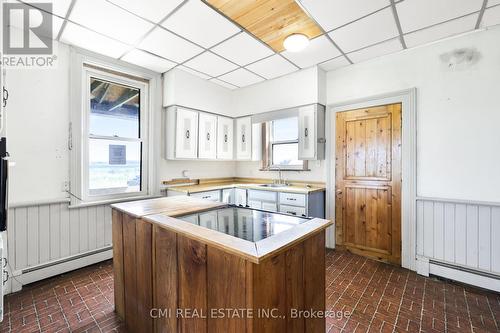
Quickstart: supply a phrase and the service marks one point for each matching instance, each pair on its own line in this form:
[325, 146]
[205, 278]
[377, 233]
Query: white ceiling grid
[189, 34]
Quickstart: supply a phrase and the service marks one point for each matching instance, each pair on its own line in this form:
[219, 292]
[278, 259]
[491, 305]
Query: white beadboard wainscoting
[459, 240]
[47, 239]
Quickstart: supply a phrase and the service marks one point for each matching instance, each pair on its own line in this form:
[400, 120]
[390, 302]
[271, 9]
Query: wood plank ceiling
[271, 21]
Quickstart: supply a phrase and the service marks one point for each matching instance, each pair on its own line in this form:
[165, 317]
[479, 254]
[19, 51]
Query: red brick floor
[376, 297]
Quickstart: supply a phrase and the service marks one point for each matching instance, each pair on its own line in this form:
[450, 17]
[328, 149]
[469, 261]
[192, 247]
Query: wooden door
[368, 182]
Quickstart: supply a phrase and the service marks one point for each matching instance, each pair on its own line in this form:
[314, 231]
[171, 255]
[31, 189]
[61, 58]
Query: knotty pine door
[368, 182]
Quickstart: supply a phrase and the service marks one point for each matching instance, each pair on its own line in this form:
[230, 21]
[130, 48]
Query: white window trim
[275, 167]
[79, 137]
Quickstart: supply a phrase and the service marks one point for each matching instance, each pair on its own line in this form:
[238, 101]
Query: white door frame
[409, 165]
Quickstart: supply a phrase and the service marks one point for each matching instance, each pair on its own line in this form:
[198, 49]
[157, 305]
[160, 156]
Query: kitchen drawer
[209, 195]
[262, 195]
[298, 211]
[255, 204]
[293, 199]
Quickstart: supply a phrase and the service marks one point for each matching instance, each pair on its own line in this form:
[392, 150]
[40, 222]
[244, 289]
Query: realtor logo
[27, 36]
[27, 29]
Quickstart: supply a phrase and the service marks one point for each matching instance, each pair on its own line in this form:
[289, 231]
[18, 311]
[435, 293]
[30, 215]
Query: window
[109, 128]
[283, 145]
[114, 138]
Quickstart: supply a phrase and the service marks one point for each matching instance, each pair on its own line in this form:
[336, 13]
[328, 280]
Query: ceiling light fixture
[296, 42]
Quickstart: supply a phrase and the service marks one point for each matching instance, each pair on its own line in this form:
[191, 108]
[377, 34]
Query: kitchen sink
[274, 185]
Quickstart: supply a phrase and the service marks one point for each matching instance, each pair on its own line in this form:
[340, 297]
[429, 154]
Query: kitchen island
[184, 264]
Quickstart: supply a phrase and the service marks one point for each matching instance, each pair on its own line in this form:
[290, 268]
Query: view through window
[284, 143]
[115, 145]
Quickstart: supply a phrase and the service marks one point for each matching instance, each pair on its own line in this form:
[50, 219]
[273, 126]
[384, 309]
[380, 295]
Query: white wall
[37, 130]
[458, 113]
[292, 90]
[182, 88]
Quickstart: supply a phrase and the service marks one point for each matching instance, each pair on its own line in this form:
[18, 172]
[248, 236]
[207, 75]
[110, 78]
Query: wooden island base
[168, 281]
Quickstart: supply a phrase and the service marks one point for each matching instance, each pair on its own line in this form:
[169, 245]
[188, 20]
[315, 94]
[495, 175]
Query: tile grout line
[481, 14]
[364, 290]
[380, 300]
[422, 304]
[468, 310]
[62, 309]
[398, 24]
[401, 302]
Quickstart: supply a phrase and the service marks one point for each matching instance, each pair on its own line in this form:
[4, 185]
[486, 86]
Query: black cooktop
[249, 224]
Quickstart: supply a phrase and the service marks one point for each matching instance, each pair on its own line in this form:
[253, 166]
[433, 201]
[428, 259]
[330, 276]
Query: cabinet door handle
[205, 197]
[293, 213]
[225, 137]
[243, 138]
[187, 134]
[208, 136]
[291, 199]
[306, 133]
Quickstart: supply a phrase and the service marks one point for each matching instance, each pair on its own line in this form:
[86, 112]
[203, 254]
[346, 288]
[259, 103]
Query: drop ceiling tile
[59, 7]
[441, 31]
[491, 17]
[367, 31]
[149, 61]
[242, 49]
[418, 14]
[223, 84]
[210, 64]
[153, 10]
[192, 71]
[391, 46]
[200, 24]
[335, 64]
[36, 19]
[331, 14]
[318, 50]
[86, 39]
[492, 3]
[106, 18]
[170, 46]
[241, 78]
[272, 67]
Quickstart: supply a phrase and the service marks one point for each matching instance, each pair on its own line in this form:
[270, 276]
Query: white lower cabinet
[240, 197]
[209, 195]
[228, 196]
[270, 206]
[298, 211]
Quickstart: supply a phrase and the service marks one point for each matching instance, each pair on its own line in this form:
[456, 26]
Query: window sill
[83, 204]
[275, 169]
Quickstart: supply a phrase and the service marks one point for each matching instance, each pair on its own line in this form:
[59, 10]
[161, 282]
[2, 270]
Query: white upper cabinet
[181, 133]
[312, 132]
[207, 136]
[244, 138]
[225, 138]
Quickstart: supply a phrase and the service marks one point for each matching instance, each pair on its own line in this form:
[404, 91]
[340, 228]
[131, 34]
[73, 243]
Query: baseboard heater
[466, 275]
[64, 260]
[59, 266]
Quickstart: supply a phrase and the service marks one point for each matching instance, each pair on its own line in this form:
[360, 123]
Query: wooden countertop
[172, 206]
[162, 212]
[302, 189]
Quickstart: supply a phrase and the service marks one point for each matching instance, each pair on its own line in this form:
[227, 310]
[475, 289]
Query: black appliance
[4, 165]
